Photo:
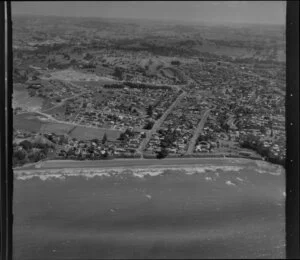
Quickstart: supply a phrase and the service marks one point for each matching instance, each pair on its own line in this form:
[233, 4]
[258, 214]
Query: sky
[262, 12]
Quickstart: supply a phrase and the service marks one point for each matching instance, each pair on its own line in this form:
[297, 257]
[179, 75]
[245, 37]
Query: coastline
[120, 162]
[138, 164]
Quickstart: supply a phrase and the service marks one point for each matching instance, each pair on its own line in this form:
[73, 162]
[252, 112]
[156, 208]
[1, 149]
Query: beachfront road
[57, 164]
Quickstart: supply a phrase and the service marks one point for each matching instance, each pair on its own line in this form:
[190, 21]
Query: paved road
[158, 123]
[131, 163]
[197, 132]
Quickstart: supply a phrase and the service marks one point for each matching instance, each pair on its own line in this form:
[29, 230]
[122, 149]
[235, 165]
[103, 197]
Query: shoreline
[138, 163]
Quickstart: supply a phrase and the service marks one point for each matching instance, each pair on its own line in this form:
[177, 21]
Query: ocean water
[159, 212]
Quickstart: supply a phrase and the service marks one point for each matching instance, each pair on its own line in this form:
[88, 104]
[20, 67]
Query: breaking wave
[140, 172]
[266, 167]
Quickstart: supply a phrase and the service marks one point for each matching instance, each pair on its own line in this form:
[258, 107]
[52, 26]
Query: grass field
[55, 128]
[86, 133]
[23, 100]
[31, 122]
[78, 76]
[27, 122]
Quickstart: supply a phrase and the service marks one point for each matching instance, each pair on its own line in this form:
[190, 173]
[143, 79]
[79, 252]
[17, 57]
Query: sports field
[33, 122]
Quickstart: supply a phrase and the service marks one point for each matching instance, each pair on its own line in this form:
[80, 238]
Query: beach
[59, 164]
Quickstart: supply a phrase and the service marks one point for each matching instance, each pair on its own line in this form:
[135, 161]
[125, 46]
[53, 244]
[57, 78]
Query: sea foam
[141, 172]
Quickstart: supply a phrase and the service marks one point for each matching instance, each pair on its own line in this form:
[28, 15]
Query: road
[132, 163]
[197, 132]
[158, 123]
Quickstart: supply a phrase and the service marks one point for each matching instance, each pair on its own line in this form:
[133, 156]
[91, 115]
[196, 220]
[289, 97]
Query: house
[203, 146]
[172, 150]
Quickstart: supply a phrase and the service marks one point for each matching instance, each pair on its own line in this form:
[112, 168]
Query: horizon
[212, 12]
[154, 20]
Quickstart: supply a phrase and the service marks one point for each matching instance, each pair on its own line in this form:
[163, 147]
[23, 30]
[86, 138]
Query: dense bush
[175, 62]
[26, 145]
[36, 156]
[149, 125]
[162, 153]
[19, 157]
[118, 73]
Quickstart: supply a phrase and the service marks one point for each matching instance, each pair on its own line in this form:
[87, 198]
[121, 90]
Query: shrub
[149, 125]
[37, 156]
[175, 62]
[19, 155]
[26, 145]
[163, 153]
[104, 139]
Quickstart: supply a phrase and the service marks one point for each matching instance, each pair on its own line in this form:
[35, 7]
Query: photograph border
[292, 132]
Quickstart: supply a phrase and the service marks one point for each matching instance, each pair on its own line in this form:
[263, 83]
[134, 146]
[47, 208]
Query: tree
[270, 124]
[26, 145]
[249, 141]
[105, 155]
[225, 127]
[73, 62]
[118, 73]
[158, 116]
[88, 56]
[66, 56]
[149, 125]
[95, 141]
[40, 145]
[123, 137]
[36, 156]
[202, 137]
[150, 110]
[19, 155]
[163, 153]
[70, 152]
[129, 133]
[90, 150]
[175, 62]
[104, 139]
[168, 139]
[263, 130]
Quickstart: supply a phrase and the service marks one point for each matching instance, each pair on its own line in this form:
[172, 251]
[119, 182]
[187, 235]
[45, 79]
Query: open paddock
[87, 133]
[99, 83]
[78, 76]
[32, 122]
[28, 122]
[57, 128]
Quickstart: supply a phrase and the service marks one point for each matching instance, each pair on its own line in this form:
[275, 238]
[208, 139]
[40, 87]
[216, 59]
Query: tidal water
[175, 213]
